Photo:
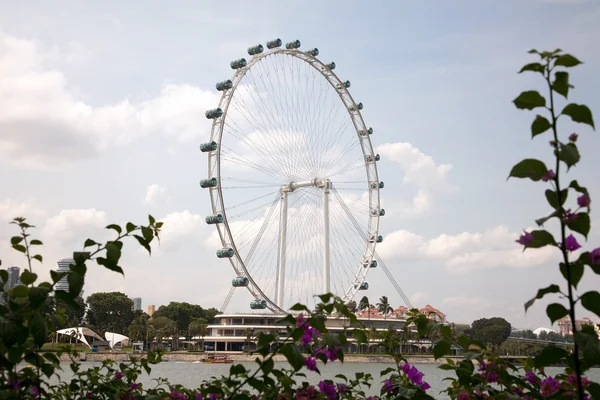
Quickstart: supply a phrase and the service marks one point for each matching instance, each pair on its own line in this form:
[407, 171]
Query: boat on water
[217, 359]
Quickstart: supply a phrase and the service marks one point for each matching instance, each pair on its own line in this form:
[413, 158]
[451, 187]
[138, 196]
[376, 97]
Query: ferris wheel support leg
[282, 248]
[326, 261]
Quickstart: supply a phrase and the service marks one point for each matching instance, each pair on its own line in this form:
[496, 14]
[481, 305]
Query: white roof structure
[542, 329]
[79, 334]
[113, 338]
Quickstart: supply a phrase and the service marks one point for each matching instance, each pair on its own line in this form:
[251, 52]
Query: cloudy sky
[102, 111]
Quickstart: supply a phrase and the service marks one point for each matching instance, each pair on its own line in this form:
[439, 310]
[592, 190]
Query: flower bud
[552, 143]
[573, 137]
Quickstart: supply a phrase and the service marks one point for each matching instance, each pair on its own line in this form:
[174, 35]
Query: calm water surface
[192, 374]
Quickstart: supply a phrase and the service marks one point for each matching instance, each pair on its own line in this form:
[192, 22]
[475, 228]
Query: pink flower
[328, 390]
[462, 395]
[595, 256]
[118, 376]
[549, 386]
[548, 175]
[571, 243]
[531, 377]
[311, 363]
[583, 200]
[388, 386]
[525, 239]
[134, 386]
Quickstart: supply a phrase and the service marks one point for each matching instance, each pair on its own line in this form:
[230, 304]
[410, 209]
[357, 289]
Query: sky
[102, 111]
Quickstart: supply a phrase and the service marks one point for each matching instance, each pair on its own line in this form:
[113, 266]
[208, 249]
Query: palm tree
[384, 307]
[352, 307]
[198, 327]
[140, 329]
[249, 334]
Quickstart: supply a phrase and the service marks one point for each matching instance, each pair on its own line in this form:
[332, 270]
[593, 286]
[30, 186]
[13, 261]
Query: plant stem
[26, 248]
[563, 237]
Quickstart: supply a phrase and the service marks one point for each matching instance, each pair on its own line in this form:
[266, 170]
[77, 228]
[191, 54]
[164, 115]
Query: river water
[191, 374]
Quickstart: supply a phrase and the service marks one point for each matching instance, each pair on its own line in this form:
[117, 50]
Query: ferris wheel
[292, 178]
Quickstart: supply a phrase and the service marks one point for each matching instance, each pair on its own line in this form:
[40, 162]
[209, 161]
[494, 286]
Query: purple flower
[331, 354]
[35, 392]
[299, 320]
[388, 386]
[548, 175]
[213, 396]
[406, 368]
[572, 379]
[570, 216]
[90, 395]
[178, 396]
[199, 396]
[462, 395]
[571, 243]
[549, 386]
[134, 386]
[311, 363]
[531, 377]
[415, 376]
[14, 384]
[525, 239]
[595, 256]
[342, 388]
[425, 386]
[328, 390]
[583, 200]
[118, 376]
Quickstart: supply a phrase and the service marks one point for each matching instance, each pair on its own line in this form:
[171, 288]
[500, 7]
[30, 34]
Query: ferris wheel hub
[323, 183]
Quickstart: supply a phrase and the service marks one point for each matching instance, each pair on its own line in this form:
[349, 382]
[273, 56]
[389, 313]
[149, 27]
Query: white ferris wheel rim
[214, 170]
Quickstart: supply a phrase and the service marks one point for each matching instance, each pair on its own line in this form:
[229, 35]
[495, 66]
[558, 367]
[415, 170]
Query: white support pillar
[282, 247]
[326, 261]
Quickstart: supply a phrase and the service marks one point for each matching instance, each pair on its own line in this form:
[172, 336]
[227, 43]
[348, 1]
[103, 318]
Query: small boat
[215, 359]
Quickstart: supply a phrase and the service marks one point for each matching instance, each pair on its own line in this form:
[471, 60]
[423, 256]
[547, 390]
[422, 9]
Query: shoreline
[238, 357]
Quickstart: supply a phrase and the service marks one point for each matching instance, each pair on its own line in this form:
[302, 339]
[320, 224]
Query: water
[191, 374]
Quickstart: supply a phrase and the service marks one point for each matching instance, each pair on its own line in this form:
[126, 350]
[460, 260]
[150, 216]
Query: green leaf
[76, 282]
[566, 60]
[561, 83]
[113, 253]
[4, 275]
[591, 301]
[556, 311]
[19, 247]
[292, 354]
[550, 355]
[579, 113]
[581, 224]
[151, 219]
[89, 242]
[387, 371]
[147, 234]
[576, 270]
[579, 189]
[27, 278]
[35, 242]
[299, 307]
[267, 366]
[38, 328]
[529, 100]
[143, 242]
[541, 238]
[57, 276]
[115, 227]
[552, 197]
[16, 240]
[441, 349]
[541, 293]
[540, 125]
[37, 257]
[529, 168]
[594, 390]
[237, 369]
[534, 67]
[20, 291]
[569, 154]
[130, 227]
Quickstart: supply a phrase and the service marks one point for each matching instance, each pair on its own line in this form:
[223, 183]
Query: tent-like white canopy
[79, 334]
[113, 338]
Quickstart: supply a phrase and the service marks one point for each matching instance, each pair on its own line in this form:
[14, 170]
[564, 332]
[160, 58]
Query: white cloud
[45, 122]
[71, 225]
[178, 227]
[421, 171]
[466, 302]
[465, 251]
[10, 209]
[418, 298]
[155, 194]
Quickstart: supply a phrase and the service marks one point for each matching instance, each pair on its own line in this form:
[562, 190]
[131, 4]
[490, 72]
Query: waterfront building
[565, 327]
[151, 309]
[137, 303]
[63, 266]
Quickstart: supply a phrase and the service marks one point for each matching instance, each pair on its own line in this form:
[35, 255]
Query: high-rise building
[137, 303]
[63, 266]
[13, 277]
[151, 309]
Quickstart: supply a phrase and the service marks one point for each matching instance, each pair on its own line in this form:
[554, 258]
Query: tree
[110, 311]
[249, 335]
[384, 307]
[141, 329]
[365, 305]
[352, 307]
[198, 327]
[163, 327]
[488, 331]
[184, 313]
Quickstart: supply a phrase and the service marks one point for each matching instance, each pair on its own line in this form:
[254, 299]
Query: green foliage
[493, 331]
[111, 312]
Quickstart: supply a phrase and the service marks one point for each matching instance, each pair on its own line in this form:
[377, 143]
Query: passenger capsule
[382, 212]
[258, 304]
[271, 44]
[214, 219]
[363, 132]
[237, 64]
[364, 286]
[214, 113]
[376, 185]
[313, 52]
[255, 49]
[373, 264]
[225, 253]
[292, 45]
[331, 65]
[225, 85]
[206, 147]
[345, 84]
[377, 239]
[359, 106]
[240, 281]
[208, 183]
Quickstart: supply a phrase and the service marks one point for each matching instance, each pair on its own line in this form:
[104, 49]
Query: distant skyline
[102, 112]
